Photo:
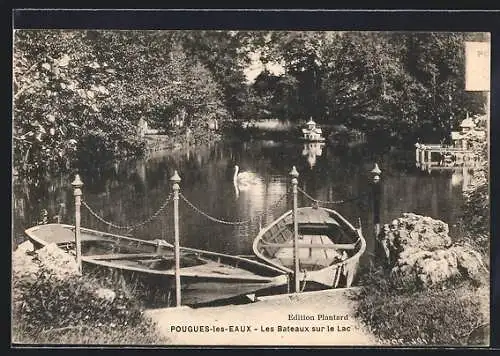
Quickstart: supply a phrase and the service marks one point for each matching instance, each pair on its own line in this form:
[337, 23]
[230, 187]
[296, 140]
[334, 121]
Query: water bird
[245, 178]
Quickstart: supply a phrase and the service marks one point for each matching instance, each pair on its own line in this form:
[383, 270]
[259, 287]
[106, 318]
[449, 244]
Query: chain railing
[132, 227]
[209, 217]
[226, 222]
[340, 201]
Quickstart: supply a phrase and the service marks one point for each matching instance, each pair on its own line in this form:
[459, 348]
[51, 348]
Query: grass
[48, 310]
[404, 315]
[143, 334]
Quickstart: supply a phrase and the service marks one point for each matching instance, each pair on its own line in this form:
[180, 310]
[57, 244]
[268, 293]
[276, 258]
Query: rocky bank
[28, 263]
[419, 249]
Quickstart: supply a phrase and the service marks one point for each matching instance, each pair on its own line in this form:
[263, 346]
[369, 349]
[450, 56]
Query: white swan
[244, 181]
[245, 178]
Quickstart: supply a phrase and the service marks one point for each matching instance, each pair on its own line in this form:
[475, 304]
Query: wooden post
[294, 174]
[417, 154]
[158, 246]
[77, 192]
[376, 195]
[175, 180]
[422, 157]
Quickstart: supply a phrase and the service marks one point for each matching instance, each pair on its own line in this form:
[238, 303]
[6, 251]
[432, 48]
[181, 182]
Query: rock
[411, 255]
[423, 231]
[23, 265]
[106, 294]
[24, 269]
[440, 266]
[469, 262]
[419, 248]
[25, 247]
[55, 261]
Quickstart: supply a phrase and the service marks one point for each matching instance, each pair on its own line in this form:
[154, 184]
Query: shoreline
[267, 322]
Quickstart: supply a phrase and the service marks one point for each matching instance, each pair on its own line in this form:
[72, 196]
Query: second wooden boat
[329, 246]
[205, 276]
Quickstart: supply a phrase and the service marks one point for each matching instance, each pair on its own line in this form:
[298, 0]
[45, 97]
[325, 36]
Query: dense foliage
[63, 303]
[406, 316]
[475, 221]
[80, 94]
[54, 311]
[404, 83]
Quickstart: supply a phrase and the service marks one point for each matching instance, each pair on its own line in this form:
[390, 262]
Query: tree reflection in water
[128, 192]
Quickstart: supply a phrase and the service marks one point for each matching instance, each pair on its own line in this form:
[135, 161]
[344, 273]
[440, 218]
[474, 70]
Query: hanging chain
[201, 212]
[129, 227]
[330, 201]
[220, 221]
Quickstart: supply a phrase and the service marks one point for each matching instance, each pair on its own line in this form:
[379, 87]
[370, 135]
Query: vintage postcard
[270, 187]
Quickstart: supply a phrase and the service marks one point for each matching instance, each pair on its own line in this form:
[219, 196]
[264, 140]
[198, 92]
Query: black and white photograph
[261, 187]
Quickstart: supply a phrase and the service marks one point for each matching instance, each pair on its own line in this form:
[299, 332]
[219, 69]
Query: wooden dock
[437, 156]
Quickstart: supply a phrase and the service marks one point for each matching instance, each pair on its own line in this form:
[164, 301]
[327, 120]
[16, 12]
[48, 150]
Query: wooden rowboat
[205, 276]
[329, 247]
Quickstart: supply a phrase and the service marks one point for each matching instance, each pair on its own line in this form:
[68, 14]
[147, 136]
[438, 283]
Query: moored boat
[205, 276]
[329, 246]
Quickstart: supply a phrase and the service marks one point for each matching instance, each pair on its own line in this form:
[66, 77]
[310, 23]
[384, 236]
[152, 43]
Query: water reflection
[312, 150]
[129, 192]
[461, 177]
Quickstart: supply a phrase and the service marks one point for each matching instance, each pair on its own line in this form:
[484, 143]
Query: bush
[404, 314]
[475, 220]
[70, 311]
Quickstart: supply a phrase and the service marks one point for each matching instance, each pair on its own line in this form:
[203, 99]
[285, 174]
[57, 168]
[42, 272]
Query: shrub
[70, 311]
[404, 314]
[475, 220]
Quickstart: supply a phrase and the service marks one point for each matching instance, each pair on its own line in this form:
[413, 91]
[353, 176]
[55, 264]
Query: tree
[436, 61]
[80, 94]
[300, 51]
[62, 98]
[225, 54]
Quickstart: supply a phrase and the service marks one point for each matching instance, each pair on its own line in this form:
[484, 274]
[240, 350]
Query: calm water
[129, 192]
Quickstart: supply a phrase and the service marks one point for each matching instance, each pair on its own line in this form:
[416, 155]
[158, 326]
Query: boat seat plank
[311, 251]
[120, 256]
[149, 261]
[217, 268]
[316, 245]
[306, 263]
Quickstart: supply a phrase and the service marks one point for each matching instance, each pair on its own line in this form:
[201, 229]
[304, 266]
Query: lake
[223, 218]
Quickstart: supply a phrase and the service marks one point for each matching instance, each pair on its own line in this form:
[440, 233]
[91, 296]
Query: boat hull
[205, 276]
[329, 247]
